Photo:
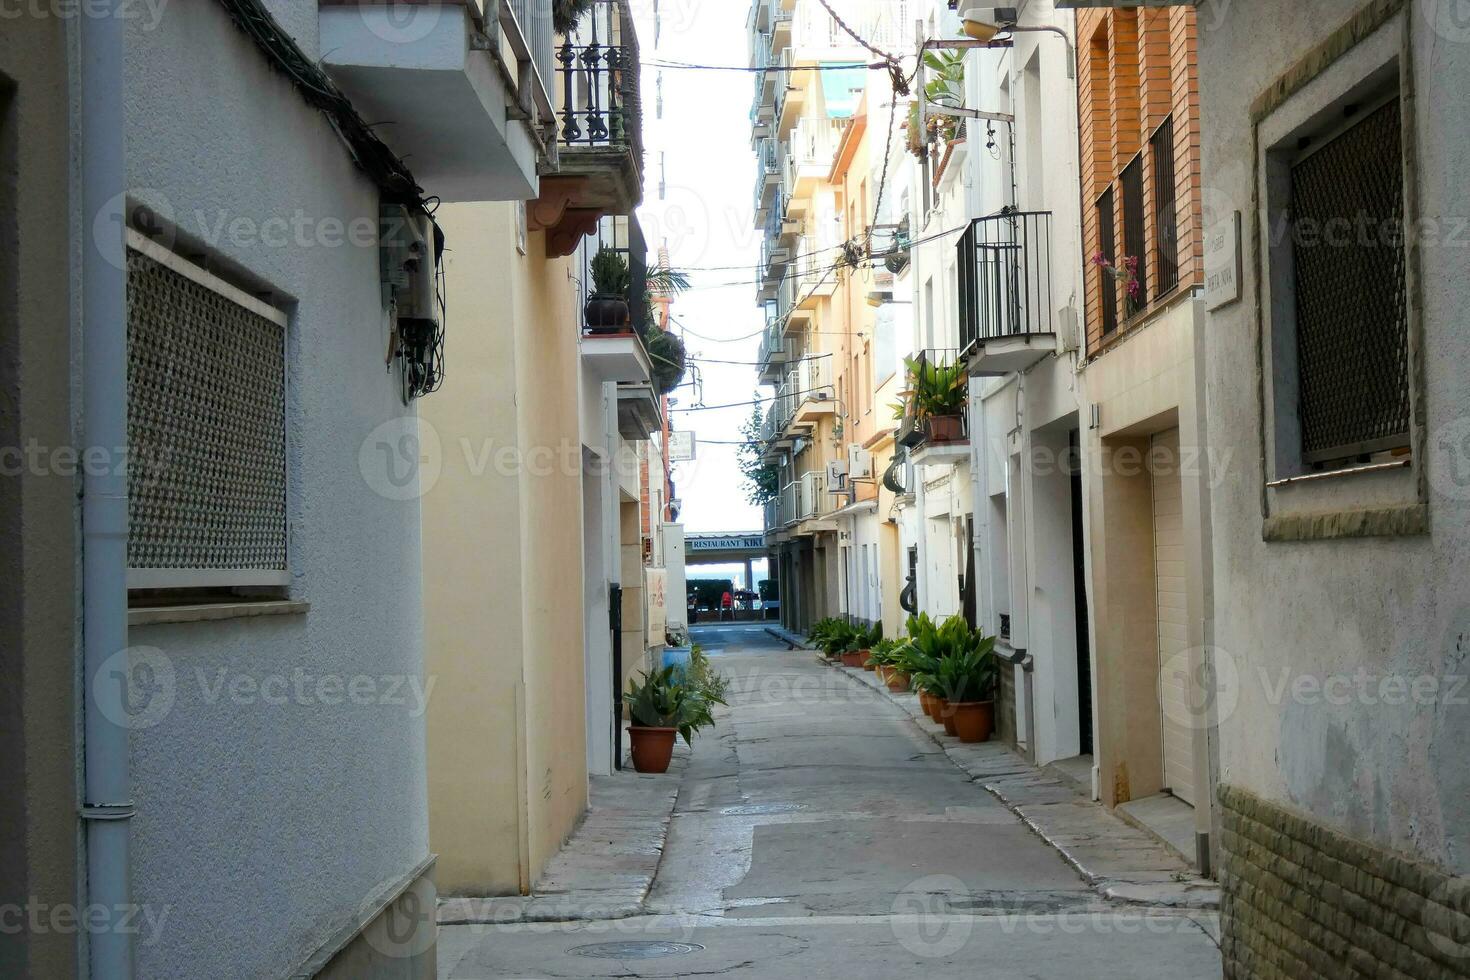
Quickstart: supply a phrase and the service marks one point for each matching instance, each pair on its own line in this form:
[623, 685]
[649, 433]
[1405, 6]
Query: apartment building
[1335, 342]
[1020, 300]
[534, 564]
[815, 194]
[1145, 455]
[252, 295]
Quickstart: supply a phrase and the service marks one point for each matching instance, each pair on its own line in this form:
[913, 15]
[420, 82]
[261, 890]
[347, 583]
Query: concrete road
[820, 834]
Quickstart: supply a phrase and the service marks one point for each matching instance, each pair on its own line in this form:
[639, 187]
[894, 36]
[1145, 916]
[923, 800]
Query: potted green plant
[566, 13]
[607, 308]
[940, 395]
[662, 708]
[962, 674]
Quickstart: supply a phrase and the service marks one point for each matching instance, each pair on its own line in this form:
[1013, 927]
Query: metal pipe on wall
[107, 791]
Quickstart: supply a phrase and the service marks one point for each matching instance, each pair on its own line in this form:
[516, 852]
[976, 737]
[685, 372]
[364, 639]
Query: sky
[705, 217]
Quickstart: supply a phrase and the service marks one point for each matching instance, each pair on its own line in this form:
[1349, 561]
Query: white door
[1173, 626]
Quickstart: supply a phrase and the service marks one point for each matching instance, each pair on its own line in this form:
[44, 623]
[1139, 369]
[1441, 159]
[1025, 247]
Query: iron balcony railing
[773, 514]
[1005, 276]
[814, 142]
[598, 66]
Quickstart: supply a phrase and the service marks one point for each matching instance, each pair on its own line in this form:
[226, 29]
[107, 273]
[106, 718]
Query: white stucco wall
[264, 827]
[1317, 613]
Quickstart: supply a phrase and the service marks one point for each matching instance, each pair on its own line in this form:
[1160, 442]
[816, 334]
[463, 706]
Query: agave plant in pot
[964, 676]
[662, 708]
[607, 309]
[939, 392]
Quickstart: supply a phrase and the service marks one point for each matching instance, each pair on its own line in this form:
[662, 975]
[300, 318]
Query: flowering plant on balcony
[1125, 272]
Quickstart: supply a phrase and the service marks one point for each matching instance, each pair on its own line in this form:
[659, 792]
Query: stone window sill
[209, 612]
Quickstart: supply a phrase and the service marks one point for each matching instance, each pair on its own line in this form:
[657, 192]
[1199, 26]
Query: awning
[842, 88]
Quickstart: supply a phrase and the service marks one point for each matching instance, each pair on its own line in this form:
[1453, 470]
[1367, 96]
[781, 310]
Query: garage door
[1173, 625]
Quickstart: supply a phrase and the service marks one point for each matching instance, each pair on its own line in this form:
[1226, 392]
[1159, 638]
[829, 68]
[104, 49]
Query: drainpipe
[107, 792]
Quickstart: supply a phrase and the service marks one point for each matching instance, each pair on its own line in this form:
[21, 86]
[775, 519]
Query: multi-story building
[814, 201]
[532, 530]
[1335, 345]
[253, 300]
[1020, 295]
[1145, 472]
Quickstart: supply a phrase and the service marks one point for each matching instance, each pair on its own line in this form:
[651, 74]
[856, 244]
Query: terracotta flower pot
[946, 717]
[868, 662]
[973, 720]
[926, 701]
[854, 658]
[882, 674]
[652, 747]
[897, 681]
[946, 428]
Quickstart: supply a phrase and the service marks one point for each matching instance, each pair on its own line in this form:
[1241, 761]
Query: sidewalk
[1122, 862]
[605, 869]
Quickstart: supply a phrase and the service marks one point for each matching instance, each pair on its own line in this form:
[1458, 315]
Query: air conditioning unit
[836, 475]
[859, 463]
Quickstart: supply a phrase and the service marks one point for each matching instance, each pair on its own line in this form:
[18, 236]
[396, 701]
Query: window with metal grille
[1106, 236]
[1166, 206]
[1347, 212]
[1135, 230]
[206, 429]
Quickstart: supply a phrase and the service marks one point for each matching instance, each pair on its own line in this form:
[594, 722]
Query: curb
[566, 893]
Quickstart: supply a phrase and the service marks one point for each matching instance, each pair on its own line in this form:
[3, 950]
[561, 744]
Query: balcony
[767, 179]
[446, 93]
[620, 357]
[1006, 312]
[599, 132]
[811, 505]
[813, 147]
[811, 386]
[940, 440]
[814, 279]
[639, 414]
[773, 348]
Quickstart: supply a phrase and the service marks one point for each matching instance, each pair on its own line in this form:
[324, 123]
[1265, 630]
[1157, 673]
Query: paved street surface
[820, 833]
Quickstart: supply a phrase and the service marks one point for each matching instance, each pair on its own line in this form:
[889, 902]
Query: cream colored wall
[552, 597]
[38, 514]
[635, 636]
[502, 564]
[1146, 383]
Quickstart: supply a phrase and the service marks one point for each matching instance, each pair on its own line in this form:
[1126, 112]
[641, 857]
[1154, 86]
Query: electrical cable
[759, 401]
[693, 66]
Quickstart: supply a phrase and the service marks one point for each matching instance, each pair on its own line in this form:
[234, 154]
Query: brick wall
[1136, 67]
[1302, 900]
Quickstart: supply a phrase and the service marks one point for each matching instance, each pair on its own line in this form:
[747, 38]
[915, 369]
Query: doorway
[1173, 625]
[1079, 599]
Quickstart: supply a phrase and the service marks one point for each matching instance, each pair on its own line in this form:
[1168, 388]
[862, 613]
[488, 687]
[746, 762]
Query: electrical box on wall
[859, 463]
[408, 261]
[836, 474]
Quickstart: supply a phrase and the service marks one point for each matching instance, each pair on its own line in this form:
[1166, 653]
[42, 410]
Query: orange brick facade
[1136, 70]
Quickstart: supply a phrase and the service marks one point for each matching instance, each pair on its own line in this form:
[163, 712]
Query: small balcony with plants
[621, 339]
[933, 414]
[599, 128]
[1007, 318]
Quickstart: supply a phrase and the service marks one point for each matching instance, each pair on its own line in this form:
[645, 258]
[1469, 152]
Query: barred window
[206, 429]
[1347, 248]
[1135, 229]
[1106, 236]
[1166, 206]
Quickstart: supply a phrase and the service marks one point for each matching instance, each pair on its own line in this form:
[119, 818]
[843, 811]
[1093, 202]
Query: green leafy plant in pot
[607, 308]
[662, 708]
[963, 673]
[940, 393]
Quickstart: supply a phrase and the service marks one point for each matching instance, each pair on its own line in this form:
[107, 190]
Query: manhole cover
[635, 950]
[758, 809]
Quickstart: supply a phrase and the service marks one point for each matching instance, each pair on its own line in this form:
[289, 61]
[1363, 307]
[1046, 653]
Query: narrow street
[819, 832]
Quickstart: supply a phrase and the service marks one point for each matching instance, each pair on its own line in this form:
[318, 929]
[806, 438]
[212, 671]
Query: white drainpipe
[107, 794]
